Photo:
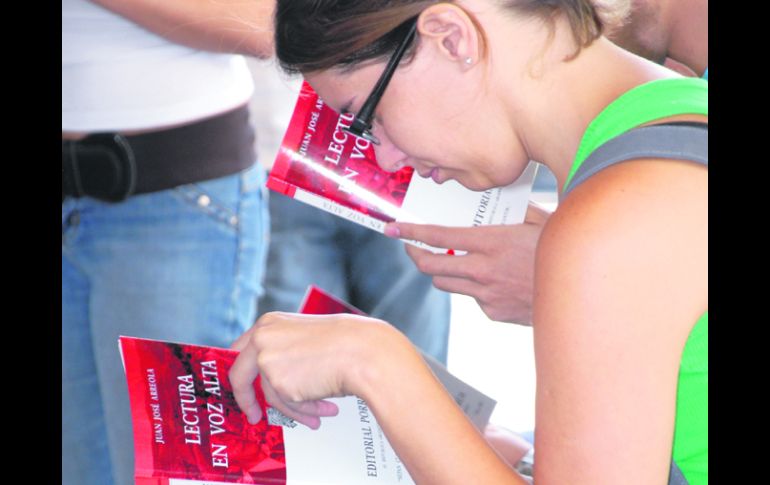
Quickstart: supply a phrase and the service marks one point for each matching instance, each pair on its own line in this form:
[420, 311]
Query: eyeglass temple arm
[368, 107]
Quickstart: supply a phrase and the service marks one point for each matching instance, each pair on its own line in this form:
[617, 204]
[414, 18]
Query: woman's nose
[389, 157]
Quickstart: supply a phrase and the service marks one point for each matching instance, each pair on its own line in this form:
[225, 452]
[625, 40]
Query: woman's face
[432, 118]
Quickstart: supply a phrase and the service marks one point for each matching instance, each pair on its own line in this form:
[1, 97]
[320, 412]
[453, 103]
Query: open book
[188, 429]
[321, 165]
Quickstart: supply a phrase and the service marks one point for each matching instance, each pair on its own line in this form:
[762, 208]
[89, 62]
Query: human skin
[228, 26]
[498, 268]
[620, 278]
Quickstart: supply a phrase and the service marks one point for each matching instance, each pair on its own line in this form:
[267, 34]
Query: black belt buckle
[101, 165]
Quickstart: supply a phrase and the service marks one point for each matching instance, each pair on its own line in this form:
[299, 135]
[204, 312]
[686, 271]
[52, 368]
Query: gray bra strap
[679, 141]
[675, 476]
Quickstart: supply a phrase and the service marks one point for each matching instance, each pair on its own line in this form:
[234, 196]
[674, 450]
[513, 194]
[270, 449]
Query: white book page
[348, 449]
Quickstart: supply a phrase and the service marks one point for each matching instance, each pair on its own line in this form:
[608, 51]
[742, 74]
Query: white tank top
[118, 76]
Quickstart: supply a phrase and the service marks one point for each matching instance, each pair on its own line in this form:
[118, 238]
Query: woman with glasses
[472, 91]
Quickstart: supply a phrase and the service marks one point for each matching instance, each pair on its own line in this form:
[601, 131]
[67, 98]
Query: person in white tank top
[180, 262]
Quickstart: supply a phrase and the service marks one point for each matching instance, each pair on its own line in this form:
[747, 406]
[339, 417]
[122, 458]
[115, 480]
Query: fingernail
[254, 414]
[392, 230]
[314, 423]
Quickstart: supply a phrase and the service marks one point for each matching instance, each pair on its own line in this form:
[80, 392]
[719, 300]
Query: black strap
[676, 140]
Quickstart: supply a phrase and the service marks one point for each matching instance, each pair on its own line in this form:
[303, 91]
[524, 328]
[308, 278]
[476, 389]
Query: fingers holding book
[302, 360]
[493, 264]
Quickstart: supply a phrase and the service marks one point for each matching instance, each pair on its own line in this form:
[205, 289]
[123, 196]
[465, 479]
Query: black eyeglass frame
[362, 122]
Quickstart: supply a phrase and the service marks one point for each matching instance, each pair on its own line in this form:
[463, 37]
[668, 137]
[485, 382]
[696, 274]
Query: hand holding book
[189, 428]
[496, 267]
[304, 359]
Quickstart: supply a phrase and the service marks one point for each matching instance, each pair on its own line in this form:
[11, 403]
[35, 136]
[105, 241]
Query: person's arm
[305, 358]
[621, 277]
[497, 269]
[231, 26]
[510, 446]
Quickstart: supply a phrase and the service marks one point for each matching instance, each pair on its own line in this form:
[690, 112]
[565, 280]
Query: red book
[188, 429]
[321, 165]
[319, 302]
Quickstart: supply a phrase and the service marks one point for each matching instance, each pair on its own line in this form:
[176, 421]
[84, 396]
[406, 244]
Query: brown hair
[316, 35]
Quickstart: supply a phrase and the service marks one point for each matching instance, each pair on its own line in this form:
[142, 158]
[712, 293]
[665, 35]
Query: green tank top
[648, 102]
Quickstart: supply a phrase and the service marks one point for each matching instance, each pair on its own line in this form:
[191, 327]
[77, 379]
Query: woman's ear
[453, 32]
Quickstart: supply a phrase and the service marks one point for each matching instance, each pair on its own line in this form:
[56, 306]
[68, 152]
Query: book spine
[338, 210]
[353, 215]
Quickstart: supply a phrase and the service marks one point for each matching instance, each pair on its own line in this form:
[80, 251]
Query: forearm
[428, 431]
[234, 26]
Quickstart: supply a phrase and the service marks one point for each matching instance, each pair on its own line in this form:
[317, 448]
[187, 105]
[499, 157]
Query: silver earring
[468, 61]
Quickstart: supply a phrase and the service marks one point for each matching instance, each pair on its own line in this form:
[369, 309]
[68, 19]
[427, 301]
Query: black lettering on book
[363, 411]
[369, 450]
[481, 210]
[355, 216]
[333, 208]
[371, 459]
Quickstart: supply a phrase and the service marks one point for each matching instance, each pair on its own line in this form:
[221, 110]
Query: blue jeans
[359, 265]
[184, 264]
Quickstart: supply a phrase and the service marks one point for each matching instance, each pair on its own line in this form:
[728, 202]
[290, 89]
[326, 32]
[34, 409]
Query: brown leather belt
[112, 167]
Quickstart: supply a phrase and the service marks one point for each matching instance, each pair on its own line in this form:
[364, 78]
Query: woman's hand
[302, 359]
[497, 269]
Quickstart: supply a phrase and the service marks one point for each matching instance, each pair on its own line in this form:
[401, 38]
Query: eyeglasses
[362, 123]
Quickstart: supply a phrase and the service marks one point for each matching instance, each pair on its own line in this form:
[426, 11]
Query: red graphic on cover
[319, 302]
[318, 156]
[187, 424]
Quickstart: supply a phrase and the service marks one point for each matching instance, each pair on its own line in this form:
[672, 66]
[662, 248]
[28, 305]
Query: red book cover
[317, 156]
[186, 422]
[188, 430]
[320, 164]
[319, 302]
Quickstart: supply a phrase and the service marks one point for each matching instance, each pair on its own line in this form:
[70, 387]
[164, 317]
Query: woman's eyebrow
[346, 107]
